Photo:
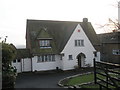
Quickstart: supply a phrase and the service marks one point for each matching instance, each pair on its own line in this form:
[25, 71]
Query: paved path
[41, 80]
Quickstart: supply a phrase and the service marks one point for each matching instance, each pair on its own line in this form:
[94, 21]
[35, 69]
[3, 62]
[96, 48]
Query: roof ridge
[55, 20]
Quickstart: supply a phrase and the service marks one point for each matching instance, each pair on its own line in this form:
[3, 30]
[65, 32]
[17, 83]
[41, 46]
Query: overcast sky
[14, 13]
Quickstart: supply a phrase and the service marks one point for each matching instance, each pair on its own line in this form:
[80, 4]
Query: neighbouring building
[58, 45]
[110, 47]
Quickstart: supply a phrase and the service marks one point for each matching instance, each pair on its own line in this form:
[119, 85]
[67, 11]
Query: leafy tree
[8, 72]
[8, 53]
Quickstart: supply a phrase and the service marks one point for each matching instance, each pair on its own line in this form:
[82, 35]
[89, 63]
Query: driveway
[42, 80]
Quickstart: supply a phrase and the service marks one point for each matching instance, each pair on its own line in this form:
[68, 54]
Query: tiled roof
[59, 31]
[113, 37]
[23, 53]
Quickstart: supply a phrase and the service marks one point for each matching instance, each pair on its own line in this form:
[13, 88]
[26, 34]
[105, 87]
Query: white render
[26, 64]
[31, 64]
[71, 49]
[43, 66]
[23, 66]
[17, 65]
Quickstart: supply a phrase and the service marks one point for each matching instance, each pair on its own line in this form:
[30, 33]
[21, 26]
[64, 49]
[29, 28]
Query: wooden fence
[107, 75]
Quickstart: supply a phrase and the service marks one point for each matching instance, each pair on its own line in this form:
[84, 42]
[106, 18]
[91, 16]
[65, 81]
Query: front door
[79, 61]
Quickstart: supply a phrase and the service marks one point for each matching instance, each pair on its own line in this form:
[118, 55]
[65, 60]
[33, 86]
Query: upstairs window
[44, 43]
[79, 43]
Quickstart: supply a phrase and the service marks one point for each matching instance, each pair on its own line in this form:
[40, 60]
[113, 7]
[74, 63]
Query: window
[14, 61]
[44, 44]
[61, 57]
[18, 60]
[70, 57]
[79, 42]
[53, 57]
[46, 58]
[39, 59]
[116, 52]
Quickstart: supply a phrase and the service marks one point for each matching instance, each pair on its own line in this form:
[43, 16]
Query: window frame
[79, 43]
[44, 43]
[46, 58]
[70, 57]
[116, 51]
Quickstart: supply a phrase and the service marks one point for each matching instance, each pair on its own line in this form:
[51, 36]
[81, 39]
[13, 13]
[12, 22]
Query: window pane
[49, 57]
[39, 59]
[42, 58]
[14, 61]
[75, 42]
[48, 43]
[53, 57]
[70, 57]
[79, 44]
[18, 60]
[45, 57]
[82, 42]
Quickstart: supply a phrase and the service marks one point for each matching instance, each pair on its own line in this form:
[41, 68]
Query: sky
[14, 13]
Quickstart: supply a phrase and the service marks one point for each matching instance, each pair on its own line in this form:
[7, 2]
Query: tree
[8, 72]
[8, 53]
[112, 25]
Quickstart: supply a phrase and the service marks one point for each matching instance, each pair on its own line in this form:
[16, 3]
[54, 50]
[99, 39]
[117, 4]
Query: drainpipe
[21, 65]
[31, 65]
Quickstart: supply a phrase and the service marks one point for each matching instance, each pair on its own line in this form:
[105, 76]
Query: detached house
[60, 45]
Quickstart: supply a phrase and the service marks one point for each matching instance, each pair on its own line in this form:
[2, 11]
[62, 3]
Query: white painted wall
[17, 65]
[23, 66]
[98, 56]
[26, 64]
[43, 66]
[71, 49]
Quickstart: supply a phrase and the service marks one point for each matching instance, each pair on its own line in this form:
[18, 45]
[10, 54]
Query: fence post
[94, 70]
[107, 76]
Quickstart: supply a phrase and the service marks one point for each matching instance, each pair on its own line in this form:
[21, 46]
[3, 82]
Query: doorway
[81, 60]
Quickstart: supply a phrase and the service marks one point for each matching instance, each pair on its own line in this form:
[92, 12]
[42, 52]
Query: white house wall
[71, 49]
[43, 66]
[26, 64]
[17, 65]
[23, 66]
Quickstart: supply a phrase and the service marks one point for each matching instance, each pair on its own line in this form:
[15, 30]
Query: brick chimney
[85, 19]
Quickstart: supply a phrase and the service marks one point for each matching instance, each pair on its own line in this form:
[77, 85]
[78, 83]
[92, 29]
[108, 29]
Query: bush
[8, 72]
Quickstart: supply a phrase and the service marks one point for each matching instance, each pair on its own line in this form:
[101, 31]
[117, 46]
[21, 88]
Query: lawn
[81, 79]
[84, 79]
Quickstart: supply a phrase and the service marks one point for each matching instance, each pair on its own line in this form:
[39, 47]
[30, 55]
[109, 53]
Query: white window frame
[116, 51]
[44, 43]
[79, 43]
[70, 57]
[46, 58]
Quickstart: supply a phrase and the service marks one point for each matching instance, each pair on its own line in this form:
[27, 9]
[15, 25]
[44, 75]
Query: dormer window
[44, 43]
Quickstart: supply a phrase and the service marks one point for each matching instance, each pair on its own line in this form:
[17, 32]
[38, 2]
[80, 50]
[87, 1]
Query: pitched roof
[60, 31]
[113, 37]
[23, 53]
